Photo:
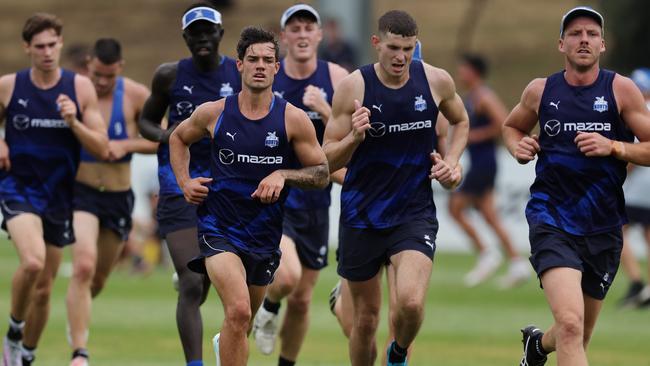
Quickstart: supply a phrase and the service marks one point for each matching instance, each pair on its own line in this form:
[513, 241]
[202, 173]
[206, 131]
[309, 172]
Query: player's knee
[238, 315]
[32, 266]
[287, 281]
[570, 325]
[84, 270]
[299, 304]
[411, 308]
[190, 287]
[367, 322]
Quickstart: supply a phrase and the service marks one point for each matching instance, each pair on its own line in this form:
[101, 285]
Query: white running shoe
[215, 346]
[11, 353]
[265, 330]
[175, 281]
[79, 361]
[488, 262]
[519, 271]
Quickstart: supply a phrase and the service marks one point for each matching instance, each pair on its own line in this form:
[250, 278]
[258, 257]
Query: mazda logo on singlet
[552, 127]
[21, 122]
[377, 129]
[226, 156]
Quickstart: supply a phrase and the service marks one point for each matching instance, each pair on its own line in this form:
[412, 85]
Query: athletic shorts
[260, 267]
[57, 224]
[362, 252]
[174, 213]
[479, 180]
[638, 215]
[309, 229]
[113, 209]
[596, 256]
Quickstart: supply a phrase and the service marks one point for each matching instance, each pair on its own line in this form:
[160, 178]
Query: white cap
[581, 11]
[295, 9]
[201, 13]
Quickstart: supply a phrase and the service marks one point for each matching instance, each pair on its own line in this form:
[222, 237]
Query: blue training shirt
[243, 152]
[578, 194]
[191, 89]
[387, 181]
[292, 90]
[116, 125]
[482, 154]
[44, 152]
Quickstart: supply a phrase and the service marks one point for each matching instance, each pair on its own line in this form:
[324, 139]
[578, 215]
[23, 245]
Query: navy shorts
[113, 209]
[638, 215]
[309, 229]
[57, 224]
[174, 213]
[596, 256]
[260, 267]
[362, 252]
[479, 180]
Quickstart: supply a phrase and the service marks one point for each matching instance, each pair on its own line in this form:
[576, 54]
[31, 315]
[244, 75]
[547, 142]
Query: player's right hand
[67, 109]
[196, 190]
[360, 121]
[527, 148]
[5, 163]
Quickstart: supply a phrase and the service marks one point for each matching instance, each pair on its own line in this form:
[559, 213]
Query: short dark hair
[254, 35]
[107, 50]
[477, 62]
[76, 54]
[398, 22]
[40, 22]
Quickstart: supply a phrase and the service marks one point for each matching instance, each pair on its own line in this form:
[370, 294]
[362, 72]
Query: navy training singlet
[387, 182]
[116, 125]
[44, 152]
[578, 194]
[243, 152]
[191, 89]
[292, 91]
[482, 154]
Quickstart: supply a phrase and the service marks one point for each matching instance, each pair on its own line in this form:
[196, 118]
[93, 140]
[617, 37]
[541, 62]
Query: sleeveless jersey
[243, 152]
[575, 193]
[44, 152]
[116, 125]
[292, 91]
[191, 89]
[482, 154]
[387, 181]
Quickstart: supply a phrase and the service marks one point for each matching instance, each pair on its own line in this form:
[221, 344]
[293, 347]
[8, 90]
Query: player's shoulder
[337, 71]
[352, 82]
[83, 85]
[7, 83]
[292, 112]
[134, 88]
[210, 109]
[535, 88]
[622, 84]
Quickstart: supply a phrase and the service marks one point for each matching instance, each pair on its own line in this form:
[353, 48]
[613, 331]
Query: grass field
[133, 323]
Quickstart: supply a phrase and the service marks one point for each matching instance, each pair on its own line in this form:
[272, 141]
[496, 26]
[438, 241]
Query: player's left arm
[635, 114]
[315, 172]
[137, 95]
[92, 132]
[451, 106]
[313, 98]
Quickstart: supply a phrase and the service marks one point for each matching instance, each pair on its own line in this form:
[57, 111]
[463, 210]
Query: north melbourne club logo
[420, 103]
[225, 90]
[271, 139]
[600, 104]
[552, 127]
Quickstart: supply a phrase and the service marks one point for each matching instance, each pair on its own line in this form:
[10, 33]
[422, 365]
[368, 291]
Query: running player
[103, 199]
[44, 107]
[588, 118]
[254, 136]
[383, 129]
[180, 87]
[486, 114]
[637, 206]
[308, 83]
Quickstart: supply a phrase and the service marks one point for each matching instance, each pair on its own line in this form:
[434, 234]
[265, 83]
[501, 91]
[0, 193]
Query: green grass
[133, 323]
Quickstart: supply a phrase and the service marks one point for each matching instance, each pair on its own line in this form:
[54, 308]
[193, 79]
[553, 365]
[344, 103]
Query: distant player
[588, 118]
[180, 87]
[637, 206]
[103, 199]
[50, 113]
[254, 136]
[486, 114]
[383, 129]
[308, 83]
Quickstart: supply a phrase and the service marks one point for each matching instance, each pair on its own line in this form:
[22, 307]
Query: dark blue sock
[272, 307]
[284, 362]
[397, 353]
[195, 363]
